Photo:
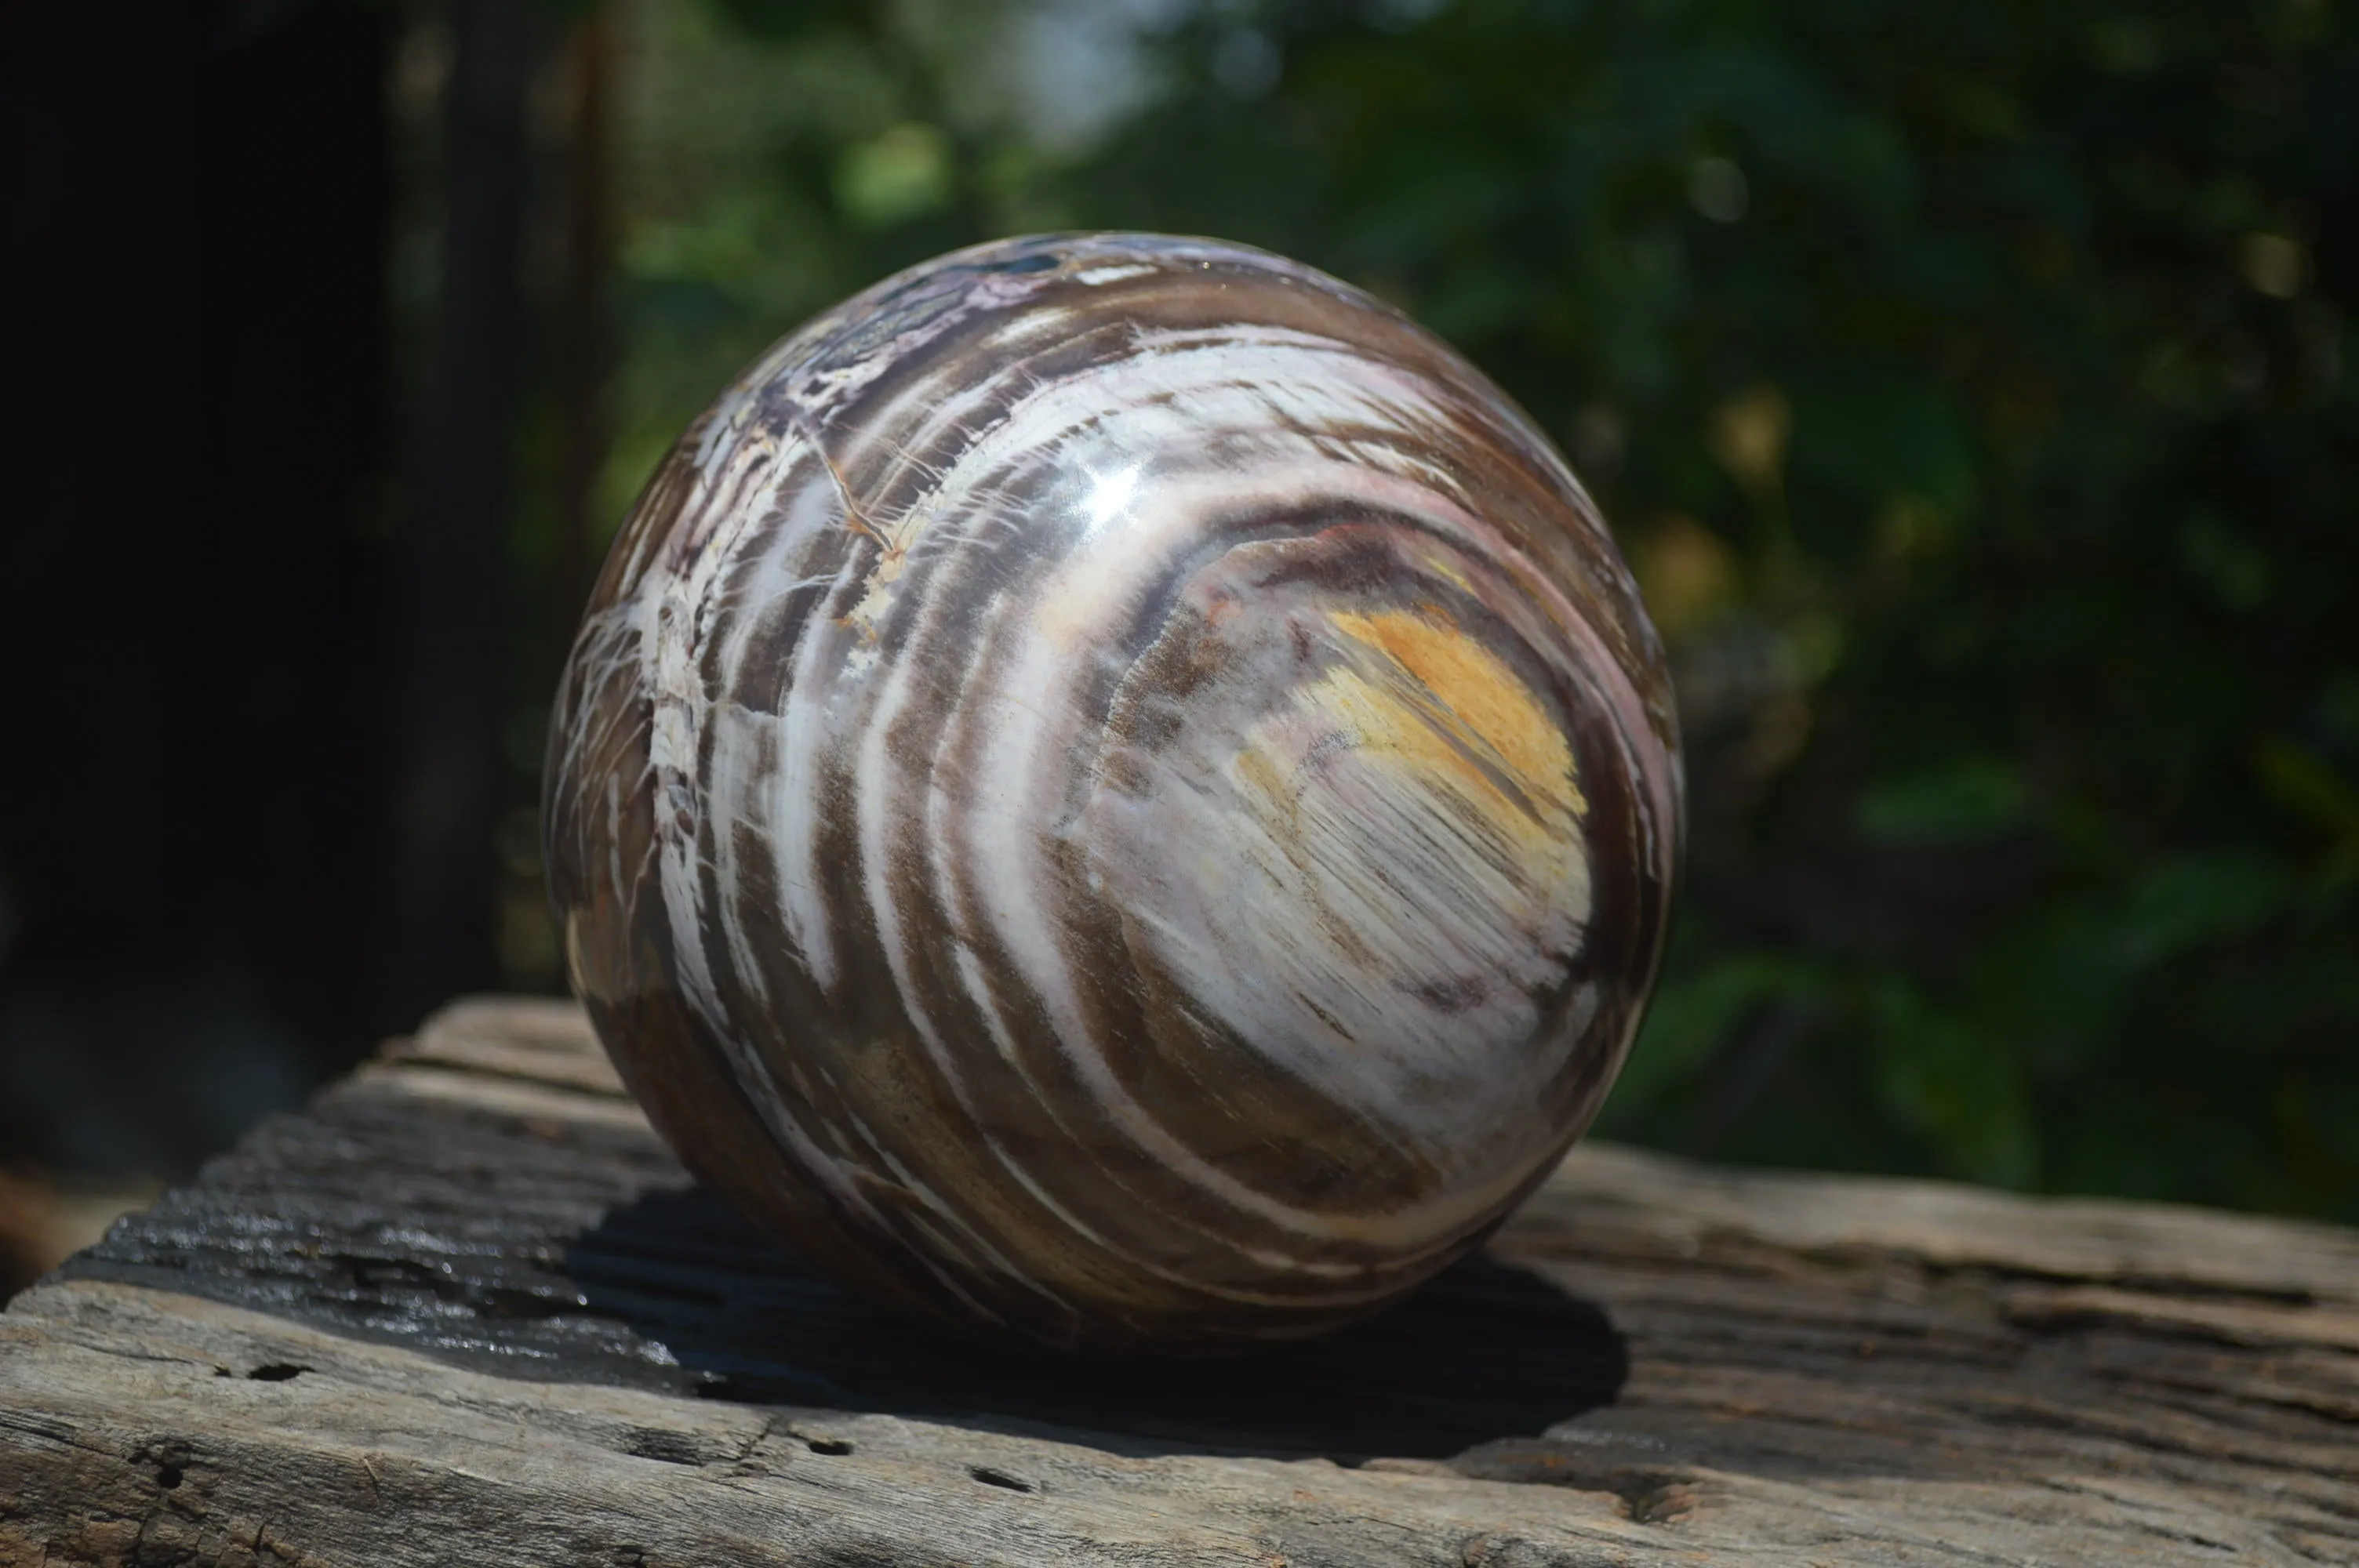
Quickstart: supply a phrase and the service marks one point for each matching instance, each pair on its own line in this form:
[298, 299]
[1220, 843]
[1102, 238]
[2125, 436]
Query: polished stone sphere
[1115, 792]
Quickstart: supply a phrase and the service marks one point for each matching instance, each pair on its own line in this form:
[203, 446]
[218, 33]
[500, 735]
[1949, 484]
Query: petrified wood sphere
[1114, 790]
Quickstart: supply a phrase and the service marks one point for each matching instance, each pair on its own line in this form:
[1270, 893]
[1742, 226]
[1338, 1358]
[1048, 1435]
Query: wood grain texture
[468, 1309]
[1116, 792]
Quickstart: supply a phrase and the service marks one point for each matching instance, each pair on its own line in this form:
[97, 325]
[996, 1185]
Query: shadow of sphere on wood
[1485, 1351]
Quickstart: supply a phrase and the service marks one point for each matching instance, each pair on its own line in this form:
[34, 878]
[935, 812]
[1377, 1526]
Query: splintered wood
[468, 1310]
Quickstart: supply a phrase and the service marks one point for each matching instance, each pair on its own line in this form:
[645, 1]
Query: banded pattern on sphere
[1114, 790]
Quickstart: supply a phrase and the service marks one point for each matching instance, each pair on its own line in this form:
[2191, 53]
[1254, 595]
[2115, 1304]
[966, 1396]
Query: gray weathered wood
[467, 1310]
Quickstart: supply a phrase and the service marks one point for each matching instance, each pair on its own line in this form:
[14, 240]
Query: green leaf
[1960, 1089]
[1695, 1016]
[1970, 800]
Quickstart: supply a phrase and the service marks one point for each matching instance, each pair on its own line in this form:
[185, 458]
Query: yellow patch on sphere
[1476, 700]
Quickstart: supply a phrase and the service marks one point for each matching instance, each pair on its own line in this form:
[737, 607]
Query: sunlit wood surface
[468, 1310]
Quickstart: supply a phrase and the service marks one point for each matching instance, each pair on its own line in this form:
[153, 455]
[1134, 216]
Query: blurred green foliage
[1968, 383]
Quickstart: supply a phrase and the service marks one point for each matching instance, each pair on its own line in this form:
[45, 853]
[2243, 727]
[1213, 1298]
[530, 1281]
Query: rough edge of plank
[145, 1427]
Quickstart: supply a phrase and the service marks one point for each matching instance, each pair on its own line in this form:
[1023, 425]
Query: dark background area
[1968, 382]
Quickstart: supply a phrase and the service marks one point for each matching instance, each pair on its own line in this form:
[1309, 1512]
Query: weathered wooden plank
[2157, 1247]
[468, 1310]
